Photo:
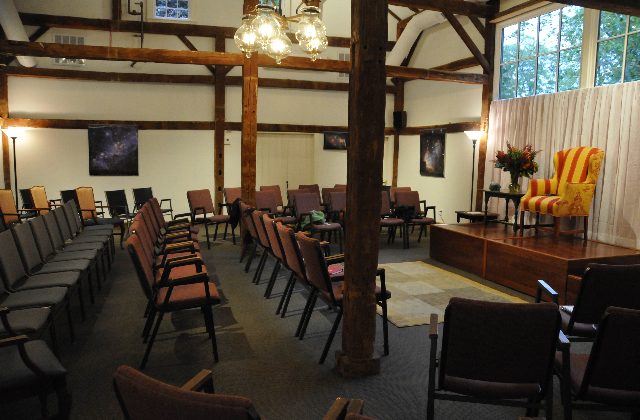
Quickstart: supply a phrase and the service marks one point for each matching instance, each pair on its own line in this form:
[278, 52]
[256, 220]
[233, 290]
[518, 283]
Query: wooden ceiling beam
[457, 26]
[457, 65]
[158, 28]
[410, 73]
[192, 47]
[458, 7]
[627, 7]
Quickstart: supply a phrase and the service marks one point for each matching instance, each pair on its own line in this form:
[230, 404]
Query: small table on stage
[475, 216]
[508, 196]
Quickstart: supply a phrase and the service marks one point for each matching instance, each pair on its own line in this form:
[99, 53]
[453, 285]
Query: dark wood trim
[521, 8]
[4, 113]
[478, 24]
[298, 128]
[449, 128]
[393, 15]
[38, 33]
[457, 7]
[249, 129]
[457, 65]
[398, 105]
[192, 47]
[457, 26]
[219, 116]
[116, 10]
[410, 73]
[627, 7]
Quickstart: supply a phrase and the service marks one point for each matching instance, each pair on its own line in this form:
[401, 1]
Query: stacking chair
[262, 243]
[275, 248]
[28, 207]
[304, 204]
[142, 397]
[250, 240]
[494, 353]
[386, 218]
[165, 227]
[607, 378]
[89, 213]
[118, 206]
[337, 206]
[278, 195]
[393, 191]
[40, 201]
[293, 261]
[602, 285]
[230, 195]
[30, 369]
[31, 322]
[314, 188]
[332, 292]
[324, 194]
[413, 214]
[179, 284]
[200, 205]
[142, 195]
[267, 200]
[72, 229]
[9, 214]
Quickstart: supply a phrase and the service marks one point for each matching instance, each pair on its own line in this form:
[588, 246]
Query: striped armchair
[570, 191]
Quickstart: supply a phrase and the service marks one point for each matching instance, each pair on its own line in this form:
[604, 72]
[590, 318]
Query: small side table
[508, 196]
[475, 216]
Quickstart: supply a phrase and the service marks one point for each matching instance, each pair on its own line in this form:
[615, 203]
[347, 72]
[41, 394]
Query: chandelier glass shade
[265, 30]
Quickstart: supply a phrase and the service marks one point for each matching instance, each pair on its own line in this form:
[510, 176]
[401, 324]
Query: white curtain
[605, 117]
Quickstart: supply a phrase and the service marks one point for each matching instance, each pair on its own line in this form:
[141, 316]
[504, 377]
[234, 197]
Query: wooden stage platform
[496, 253]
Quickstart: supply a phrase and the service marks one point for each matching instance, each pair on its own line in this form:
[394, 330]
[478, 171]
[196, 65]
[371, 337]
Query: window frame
[625, 35]
[151, 14]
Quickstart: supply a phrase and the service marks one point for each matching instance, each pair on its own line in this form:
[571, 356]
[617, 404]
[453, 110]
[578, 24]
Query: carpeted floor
[259, 356]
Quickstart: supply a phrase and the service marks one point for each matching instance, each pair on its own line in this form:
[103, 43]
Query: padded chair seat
[106, 229]
[103, 221]
[39, 281]
[88, 246]
[484, 389]
[286, 220]
[35, 298]
[75, 255]
[325, 227]
[187, 296]
[218, 218]
[59, 266]
[391, 221]
[88, 240]
[182, 272]
[422, 221]
[26, 321]
[580, 329]
[16, 375]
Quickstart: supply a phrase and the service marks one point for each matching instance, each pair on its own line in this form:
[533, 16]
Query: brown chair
[602, 285]
[230, 195]
[91, 216]
[607, 378]
[494, 353]
[41, 203]
[386, 218]
[249, 236]
[9, 214]
[293, 261]
[332, 292]
[337, 206]
[262, 243]
[306, 202]
[408, 208]
[201, 204]
[30, 369]
[144, 398]
[267, 200]
[275, 247]
[392, 193]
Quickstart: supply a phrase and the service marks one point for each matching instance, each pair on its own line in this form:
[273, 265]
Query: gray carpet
[259, 356]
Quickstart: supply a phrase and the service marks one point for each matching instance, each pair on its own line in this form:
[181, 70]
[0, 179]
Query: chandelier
[265, 30]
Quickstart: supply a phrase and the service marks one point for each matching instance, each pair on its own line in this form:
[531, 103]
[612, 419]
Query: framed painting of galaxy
[432, 153]
[113, 150]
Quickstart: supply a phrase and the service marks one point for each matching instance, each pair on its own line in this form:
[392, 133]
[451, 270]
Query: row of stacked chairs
[44, 263]
[171, 271]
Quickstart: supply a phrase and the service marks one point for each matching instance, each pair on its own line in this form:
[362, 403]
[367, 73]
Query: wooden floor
[495, 252]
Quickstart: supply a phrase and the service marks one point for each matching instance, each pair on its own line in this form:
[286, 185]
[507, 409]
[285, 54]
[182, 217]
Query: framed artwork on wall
[335, 140]
[432, 153]
[113, 150]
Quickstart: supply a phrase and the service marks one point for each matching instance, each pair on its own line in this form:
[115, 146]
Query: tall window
[171, 9]
[618, 49]
[542, 54]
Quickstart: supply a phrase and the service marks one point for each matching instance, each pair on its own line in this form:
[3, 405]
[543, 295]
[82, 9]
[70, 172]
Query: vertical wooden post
[219, 118]
[249, 121]
[398, 105]
[116, 10]
[4, 113]
[487, 97]
[364, 181]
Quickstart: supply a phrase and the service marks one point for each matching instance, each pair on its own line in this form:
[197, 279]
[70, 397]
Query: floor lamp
[13, 135]
[474, 136]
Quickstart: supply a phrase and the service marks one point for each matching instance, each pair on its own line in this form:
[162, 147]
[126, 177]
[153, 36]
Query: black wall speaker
[399, 119]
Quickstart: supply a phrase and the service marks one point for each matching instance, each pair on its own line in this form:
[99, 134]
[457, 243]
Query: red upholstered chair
[204, 212]
[274, 188]
[570, 192]
[230, 195]
[386, 219]
[415, 215]
[338, 206]
[607, 378]
[305, 202]
[144, 398]
[8, 211]
[392, 193]
[494, 353]
[268, 200]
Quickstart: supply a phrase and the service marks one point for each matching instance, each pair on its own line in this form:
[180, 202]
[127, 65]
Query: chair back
[315, 264]
[256, 218]
[42, 237]
[54, 230]
[273, 188]
[39, 199]
[578, 165]
[338, 201]
[408, 199]
[86, 202]
[393, 190]
[305, 202]
[68, 195]
[267, 200]
[11, 267]
[606, 285]
[326, 200]
[292, 256]
[247, 220]
[385, 204]
[8, 208]
[292, 196]
[142, 262]
[141, 196]
[117, 203]
[614, 363]
[340, 186]
[63, 224]
[154, 205]
[144, 398]
[231, 194]
[71, 214]
[509, 343]
[270, 229]
[200, 199]
[25, 196]
[27, 246]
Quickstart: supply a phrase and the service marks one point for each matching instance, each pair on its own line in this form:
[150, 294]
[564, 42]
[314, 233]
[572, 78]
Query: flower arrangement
[518, 162]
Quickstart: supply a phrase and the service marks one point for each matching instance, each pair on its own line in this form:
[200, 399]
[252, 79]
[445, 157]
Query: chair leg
[206, 230]
[309, 313]
[54, 337]
[305, 311]
[286, 302]
[334, 328]
[208, 315]
[272, 280]
[252, 254]
[215, 233]
[64, 399]
[585, 227]
[290, 283]
[151, 340]
[261, 264]
[148, 324]
[385, 326]
[226, 228]
[521, 222]
[95, 274]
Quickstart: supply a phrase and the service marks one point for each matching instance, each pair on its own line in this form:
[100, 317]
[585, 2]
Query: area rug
[419, 289]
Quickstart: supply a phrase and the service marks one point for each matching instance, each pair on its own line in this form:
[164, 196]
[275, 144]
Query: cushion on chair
[218, 218]
[326, 227]
[485, 389]
[200, 199]
[8, 207]
[36, 298]
[62, 279]
[580, 329]
[39, 198]
[391, 221]
[60, 266]
[422, 221]
[187, 296]
[26, 321]
[286, 220]
[16, 375]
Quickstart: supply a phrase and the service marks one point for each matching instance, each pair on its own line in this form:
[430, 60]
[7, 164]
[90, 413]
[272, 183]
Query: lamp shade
[474, 135]
[13, 132]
